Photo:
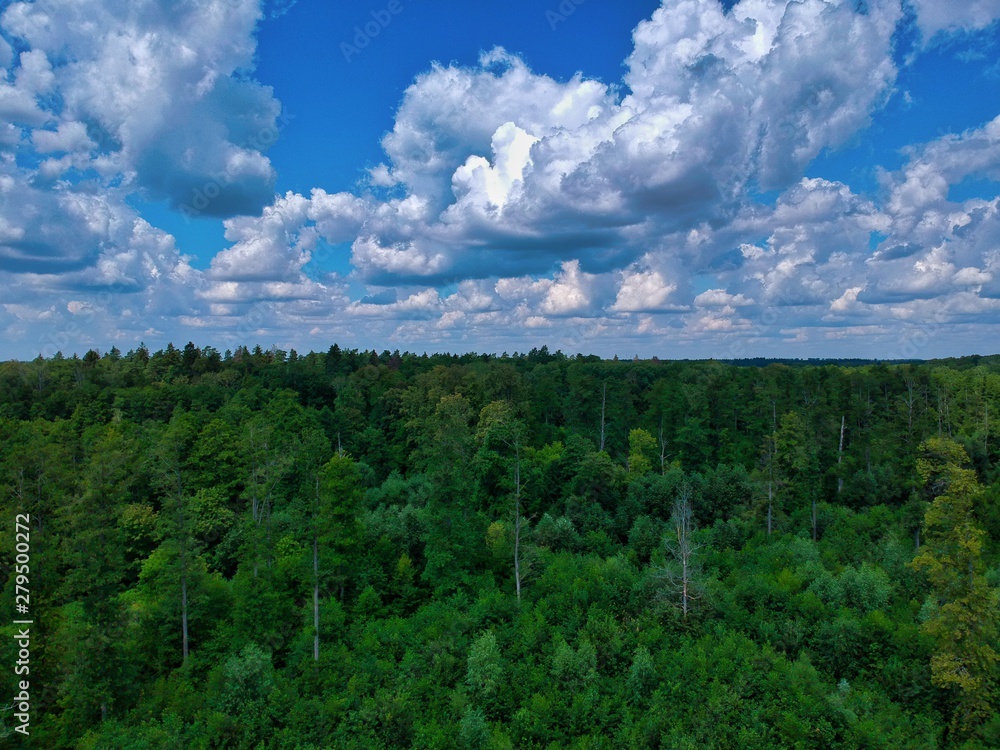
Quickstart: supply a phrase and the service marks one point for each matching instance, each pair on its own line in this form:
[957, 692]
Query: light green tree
[641, 452]
[964, 625]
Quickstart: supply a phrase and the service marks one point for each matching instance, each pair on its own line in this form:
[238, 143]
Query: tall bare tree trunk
[663, 450]
[770, 504]
[184, 608]
[986, 425]
[316, 573]
[840, 455]
[182, 533]
[315, 598]
[683, 550]
[909, 400]
[517, 522]
[604, 401]
[771, 452]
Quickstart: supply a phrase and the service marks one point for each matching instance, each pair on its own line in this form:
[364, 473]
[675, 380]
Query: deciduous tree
[964, 624]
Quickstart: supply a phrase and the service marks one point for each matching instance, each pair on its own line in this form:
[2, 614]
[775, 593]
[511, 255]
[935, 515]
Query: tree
[964, 624]
[170, 464]
[334, 527]
[680, 571]
[94, 550]
[797, 464]
[641, 448]
[499, 430]
[445, 441]
[269, 460]
[769, 456]
[485, 670]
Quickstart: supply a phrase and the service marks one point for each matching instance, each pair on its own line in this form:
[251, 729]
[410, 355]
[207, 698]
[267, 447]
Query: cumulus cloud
[721, 298]
[642, 291]
[67, 137]
[934, 16]
[570, 293]
[510, 206]
[507, 169]
[160, 92]
[105, 101]
[33, 240]
[424, 302]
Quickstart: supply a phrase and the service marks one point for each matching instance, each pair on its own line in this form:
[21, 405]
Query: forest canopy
[354, 549]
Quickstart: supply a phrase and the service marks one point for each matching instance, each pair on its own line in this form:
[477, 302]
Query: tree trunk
[517, 529]
[840, 455]
[663, 450]
[909, 400]
[315, 598]
[604, 400]
[770, 505]
[182, 531]
[814, 516]
[684, 594]
[184, 608]
[771, 451]
[685, 549]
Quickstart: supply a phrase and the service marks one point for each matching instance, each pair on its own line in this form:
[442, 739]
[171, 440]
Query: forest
[261, 549]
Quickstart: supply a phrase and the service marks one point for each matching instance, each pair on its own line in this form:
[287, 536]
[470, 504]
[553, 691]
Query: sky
[682, 179]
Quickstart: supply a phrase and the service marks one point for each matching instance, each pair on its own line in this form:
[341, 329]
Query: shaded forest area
[364, 550]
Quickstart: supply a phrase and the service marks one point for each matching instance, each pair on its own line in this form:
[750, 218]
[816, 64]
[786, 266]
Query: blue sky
[679, 179]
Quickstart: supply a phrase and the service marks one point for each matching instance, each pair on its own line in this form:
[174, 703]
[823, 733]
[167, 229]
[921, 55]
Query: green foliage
[485, 673]
[965, 624]
[338, 531]
[641, 452]
[642, 674]
[866, 589]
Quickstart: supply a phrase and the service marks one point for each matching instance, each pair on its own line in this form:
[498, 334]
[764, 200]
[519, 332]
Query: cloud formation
[675, 207]
[934, 17]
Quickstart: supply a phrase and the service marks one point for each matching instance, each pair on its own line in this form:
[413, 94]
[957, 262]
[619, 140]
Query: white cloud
[507, 171]
[419, 303]
[68, 137]
[486, 187]
[272, 247]
[509, 204]
[846, 301]
[163, 93]
[19, 106]
[571, 293]
[401, 259]
[934, 16]
[643, 291]
[721, 298]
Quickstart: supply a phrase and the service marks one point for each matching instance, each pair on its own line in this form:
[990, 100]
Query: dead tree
[840, 456]
[604, 401]
[663, 450]
[680, 572]
[770, 456]
[909, 400]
